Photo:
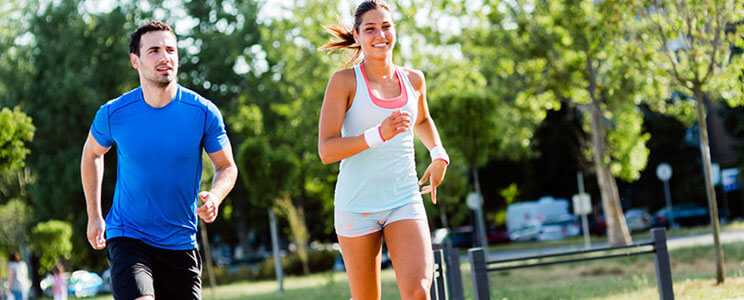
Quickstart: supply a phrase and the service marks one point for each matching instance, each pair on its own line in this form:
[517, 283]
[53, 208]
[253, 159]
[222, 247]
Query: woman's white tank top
[383, 177]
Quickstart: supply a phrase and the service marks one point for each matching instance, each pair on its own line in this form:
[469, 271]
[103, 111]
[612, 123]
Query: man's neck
[157, 96]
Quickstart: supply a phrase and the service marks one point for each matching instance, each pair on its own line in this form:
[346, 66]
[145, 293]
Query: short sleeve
[215, 136]
[100, 128]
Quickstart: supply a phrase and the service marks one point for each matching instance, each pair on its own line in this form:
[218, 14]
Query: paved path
[673, 242]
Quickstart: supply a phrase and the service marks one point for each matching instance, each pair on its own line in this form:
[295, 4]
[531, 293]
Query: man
[159, 130]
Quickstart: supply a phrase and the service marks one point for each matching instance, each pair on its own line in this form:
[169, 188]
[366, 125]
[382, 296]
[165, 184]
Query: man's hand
[210, 207]
[435, 174]
[95, 232]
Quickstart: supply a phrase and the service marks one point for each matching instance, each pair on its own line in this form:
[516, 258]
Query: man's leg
[131, 270]
[177, 274]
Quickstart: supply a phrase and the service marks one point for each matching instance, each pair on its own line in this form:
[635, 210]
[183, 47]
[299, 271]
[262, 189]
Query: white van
[545, 219]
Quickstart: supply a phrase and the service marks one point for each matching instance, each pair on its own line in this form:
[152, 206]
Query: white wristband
[438, 152]
[373, 136]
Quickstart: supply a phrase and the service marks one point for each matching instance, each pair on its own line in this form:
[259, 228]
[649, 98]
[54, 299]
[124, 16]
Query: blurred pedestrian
[59, 290]
[18, 277]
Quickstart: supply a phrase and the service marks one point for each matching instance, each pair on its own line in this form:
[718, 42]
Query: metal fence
[447, 280]
[480, 267]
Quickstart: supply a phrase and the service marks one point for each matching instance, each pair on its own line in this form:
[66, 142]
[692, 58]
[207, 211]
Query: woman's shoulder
[344, 74]
[343, 78]
[416, 77]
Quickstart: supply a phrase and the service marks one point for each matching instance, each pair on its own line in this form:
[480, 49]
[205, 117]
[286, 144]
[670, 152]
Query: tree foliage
[51, 241]
[692, 42]
[494, 70]
[15, 215]
[16, 129]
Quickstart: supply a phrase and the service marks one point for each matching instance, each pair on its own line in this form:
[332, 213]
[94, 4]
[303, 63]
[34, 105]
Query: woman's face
[376, 34]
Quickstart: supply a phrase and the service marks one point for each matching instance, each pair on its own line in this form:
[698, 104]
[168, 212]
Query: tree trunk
[207, 255]
[710, 192]
[298, 228]
[617, 229]
[479, 222]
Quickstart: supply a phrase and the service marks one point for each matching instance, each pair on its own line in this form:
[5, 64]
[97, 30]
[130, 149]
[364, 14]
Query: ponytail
[346, 40]
[347, 37]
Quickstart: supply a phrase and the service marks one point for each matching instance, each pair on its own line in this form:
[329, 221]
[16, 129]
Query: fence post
[439, 284]
[663, 267]
[454, 275]
[479, 273]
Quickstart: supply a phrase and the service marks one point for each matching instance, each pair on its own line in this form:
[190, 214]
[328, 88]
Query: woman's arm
[428, 134]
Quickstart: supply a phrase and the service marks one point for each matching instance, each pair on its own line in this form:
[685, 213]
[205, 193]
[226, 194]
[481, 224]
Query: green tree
[284, 112]
[51, 241]
[80, 61]
[15, 51]
[691, 44]
[589, 61]
[15, 215]
[15, 129]
[297, 227]
[482, 107]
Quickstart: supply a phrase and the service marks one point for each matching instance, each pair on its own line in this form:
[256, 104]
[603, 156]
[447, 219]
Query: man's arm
[225, 174]
[91, 174]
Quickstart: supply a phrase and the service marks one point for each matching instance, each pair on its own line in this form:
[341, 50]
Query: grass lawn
[640, 235]
[693, 273]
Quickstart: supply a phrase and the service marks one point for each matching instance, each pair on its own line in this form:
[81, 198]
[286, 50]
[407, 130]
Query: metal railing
[480, 267]
[447, 280]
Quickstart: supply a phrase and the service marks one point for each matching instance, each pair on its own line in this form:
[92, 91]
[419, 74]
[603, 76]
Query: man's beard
[161, 80]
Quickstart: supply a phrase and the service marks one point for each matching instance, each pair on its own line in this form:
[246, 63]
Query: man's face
[157, 62]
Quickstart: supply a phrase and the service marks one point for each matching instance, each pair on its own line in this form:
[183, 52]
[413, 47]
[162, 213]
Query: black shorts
[138, 269]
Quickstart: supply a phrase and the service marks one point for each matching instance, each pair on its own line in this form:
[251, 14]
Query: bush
[50, 240]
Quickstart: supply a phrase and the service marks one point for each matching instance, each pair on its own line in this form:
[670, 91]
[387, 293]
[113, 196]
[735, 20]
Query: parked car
[559, 227]
[497, 235]
[685, 214]
[462, 237]
[638, 219]
[80, 283]
[597, 225]
[527, 232]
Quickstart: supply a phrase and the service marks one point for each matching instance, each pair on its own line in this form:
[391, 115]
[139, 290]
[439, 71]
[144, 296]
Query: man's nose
[164, 56]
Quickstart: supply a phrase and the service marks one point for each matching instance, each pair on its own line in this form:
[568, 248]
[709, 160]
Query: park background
[517, 89]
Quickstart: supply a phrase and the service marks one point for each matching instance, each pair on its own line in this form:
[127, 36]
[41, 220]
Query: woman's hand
[435, 174]
[397, 122]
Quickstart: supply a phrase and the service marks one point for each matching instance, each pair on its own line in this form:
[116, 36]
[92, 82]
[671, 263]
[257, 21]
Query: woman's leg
[409, 243]
[362, 260]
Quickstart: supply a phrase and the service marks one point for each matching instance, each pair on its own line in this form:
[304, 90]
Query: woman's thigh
[362, 260]
[409, 244]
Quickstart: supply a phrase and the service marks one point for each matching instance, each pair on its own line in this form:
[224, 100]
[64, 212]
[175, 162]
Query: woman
[367, 122]
[18, 277]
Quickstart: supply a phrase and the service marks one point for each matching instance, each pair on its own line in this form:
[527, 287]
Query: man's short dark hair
[154, 25]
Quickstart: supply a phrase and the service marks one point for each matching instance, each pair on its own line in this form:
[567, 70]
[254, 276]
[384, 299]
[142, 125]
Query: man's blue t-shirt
[159, 164]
